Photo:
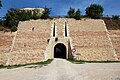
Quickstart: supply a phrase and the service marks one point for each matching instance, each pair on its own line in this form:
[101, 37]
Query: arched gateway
[60, 51]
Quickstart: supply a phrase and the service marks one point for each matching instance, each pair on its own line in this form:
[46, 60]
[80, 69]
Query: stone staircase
[115, 38]
[59, 25]
[5, 44]
[90, 39]
[30, 44]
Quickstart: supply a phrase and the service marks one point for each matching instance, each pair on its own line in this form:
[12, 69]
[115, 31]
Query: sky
[60, 7]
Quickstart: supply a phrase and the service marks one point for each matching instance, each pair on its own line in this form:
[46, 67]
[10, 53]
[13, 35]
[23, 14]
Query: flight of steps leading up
[30, 43]
[5, 45]
[115, 38]
[60, 27]
[91, 40]
[34, 41]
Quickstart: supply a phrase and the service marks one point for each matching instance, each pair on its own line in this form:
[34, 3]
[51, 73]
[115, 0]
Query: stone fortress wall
[90, 38]
[5, 44]
[115, 38]
[30, 44]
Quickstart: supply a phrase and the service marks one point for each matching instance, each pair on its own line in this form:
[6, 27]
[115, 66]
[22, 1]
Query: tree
[95, 11]
[0, 4]
[1, 21]
[46, 13]
[71, 13]
[21, 15]
[78, 15]
[1, 25]
[36, 14]
[13, 29]
[11, 18]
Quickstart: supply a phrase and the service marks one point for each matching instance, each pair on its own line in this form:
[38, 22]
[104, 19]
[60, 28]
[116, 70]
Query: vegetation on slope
[112, 23]
[95, 11]
[83, 61]
[46, 13]
[13, 16]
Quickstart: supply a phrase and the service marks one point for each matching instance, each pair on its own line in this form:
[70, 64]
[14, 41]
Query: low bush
[13, 29]
[13, 16]
[115, 17]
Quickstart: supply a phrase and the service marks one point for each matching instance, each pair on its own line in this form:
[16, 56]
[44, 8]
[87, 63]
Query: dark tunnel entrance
[60, 51]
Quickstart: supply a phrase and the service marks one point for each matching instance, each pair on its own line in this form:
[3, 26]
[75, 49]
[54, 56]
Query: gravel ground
[61, 69]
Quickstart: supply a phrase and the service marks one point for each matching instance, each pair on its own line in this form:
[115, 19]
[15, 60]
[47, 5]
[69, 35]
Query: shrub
[1, 28]
[78, 15]
[24, 15]
[2, 22]
[13, 29]
[71, 13]
[46, 13]
[2, 25]
[115, 17]
[107, 17]
[11, 18]
[35, 14]
[95, 11]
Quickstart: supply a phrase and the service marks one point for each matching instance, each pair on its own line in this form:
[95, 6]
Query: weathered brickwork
[5, 44]
[90, 39]
[88, 36]
[115, 38]
[30, 44]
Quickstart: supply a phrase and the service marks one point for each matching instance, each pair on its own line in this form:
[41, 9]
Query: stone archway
[60, 51]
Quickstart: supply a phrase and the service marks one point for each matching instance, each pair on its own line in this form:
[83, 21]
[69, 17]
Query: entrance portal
[60, 51]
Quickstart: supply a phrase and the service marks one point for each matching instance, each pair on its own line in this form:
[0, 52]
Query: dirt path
[61, 69]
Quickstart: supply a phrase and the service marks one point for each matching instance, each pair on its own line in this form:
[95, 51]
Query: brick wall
[115, 37]
[5, 44]
[90, 39]
[30, 44]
